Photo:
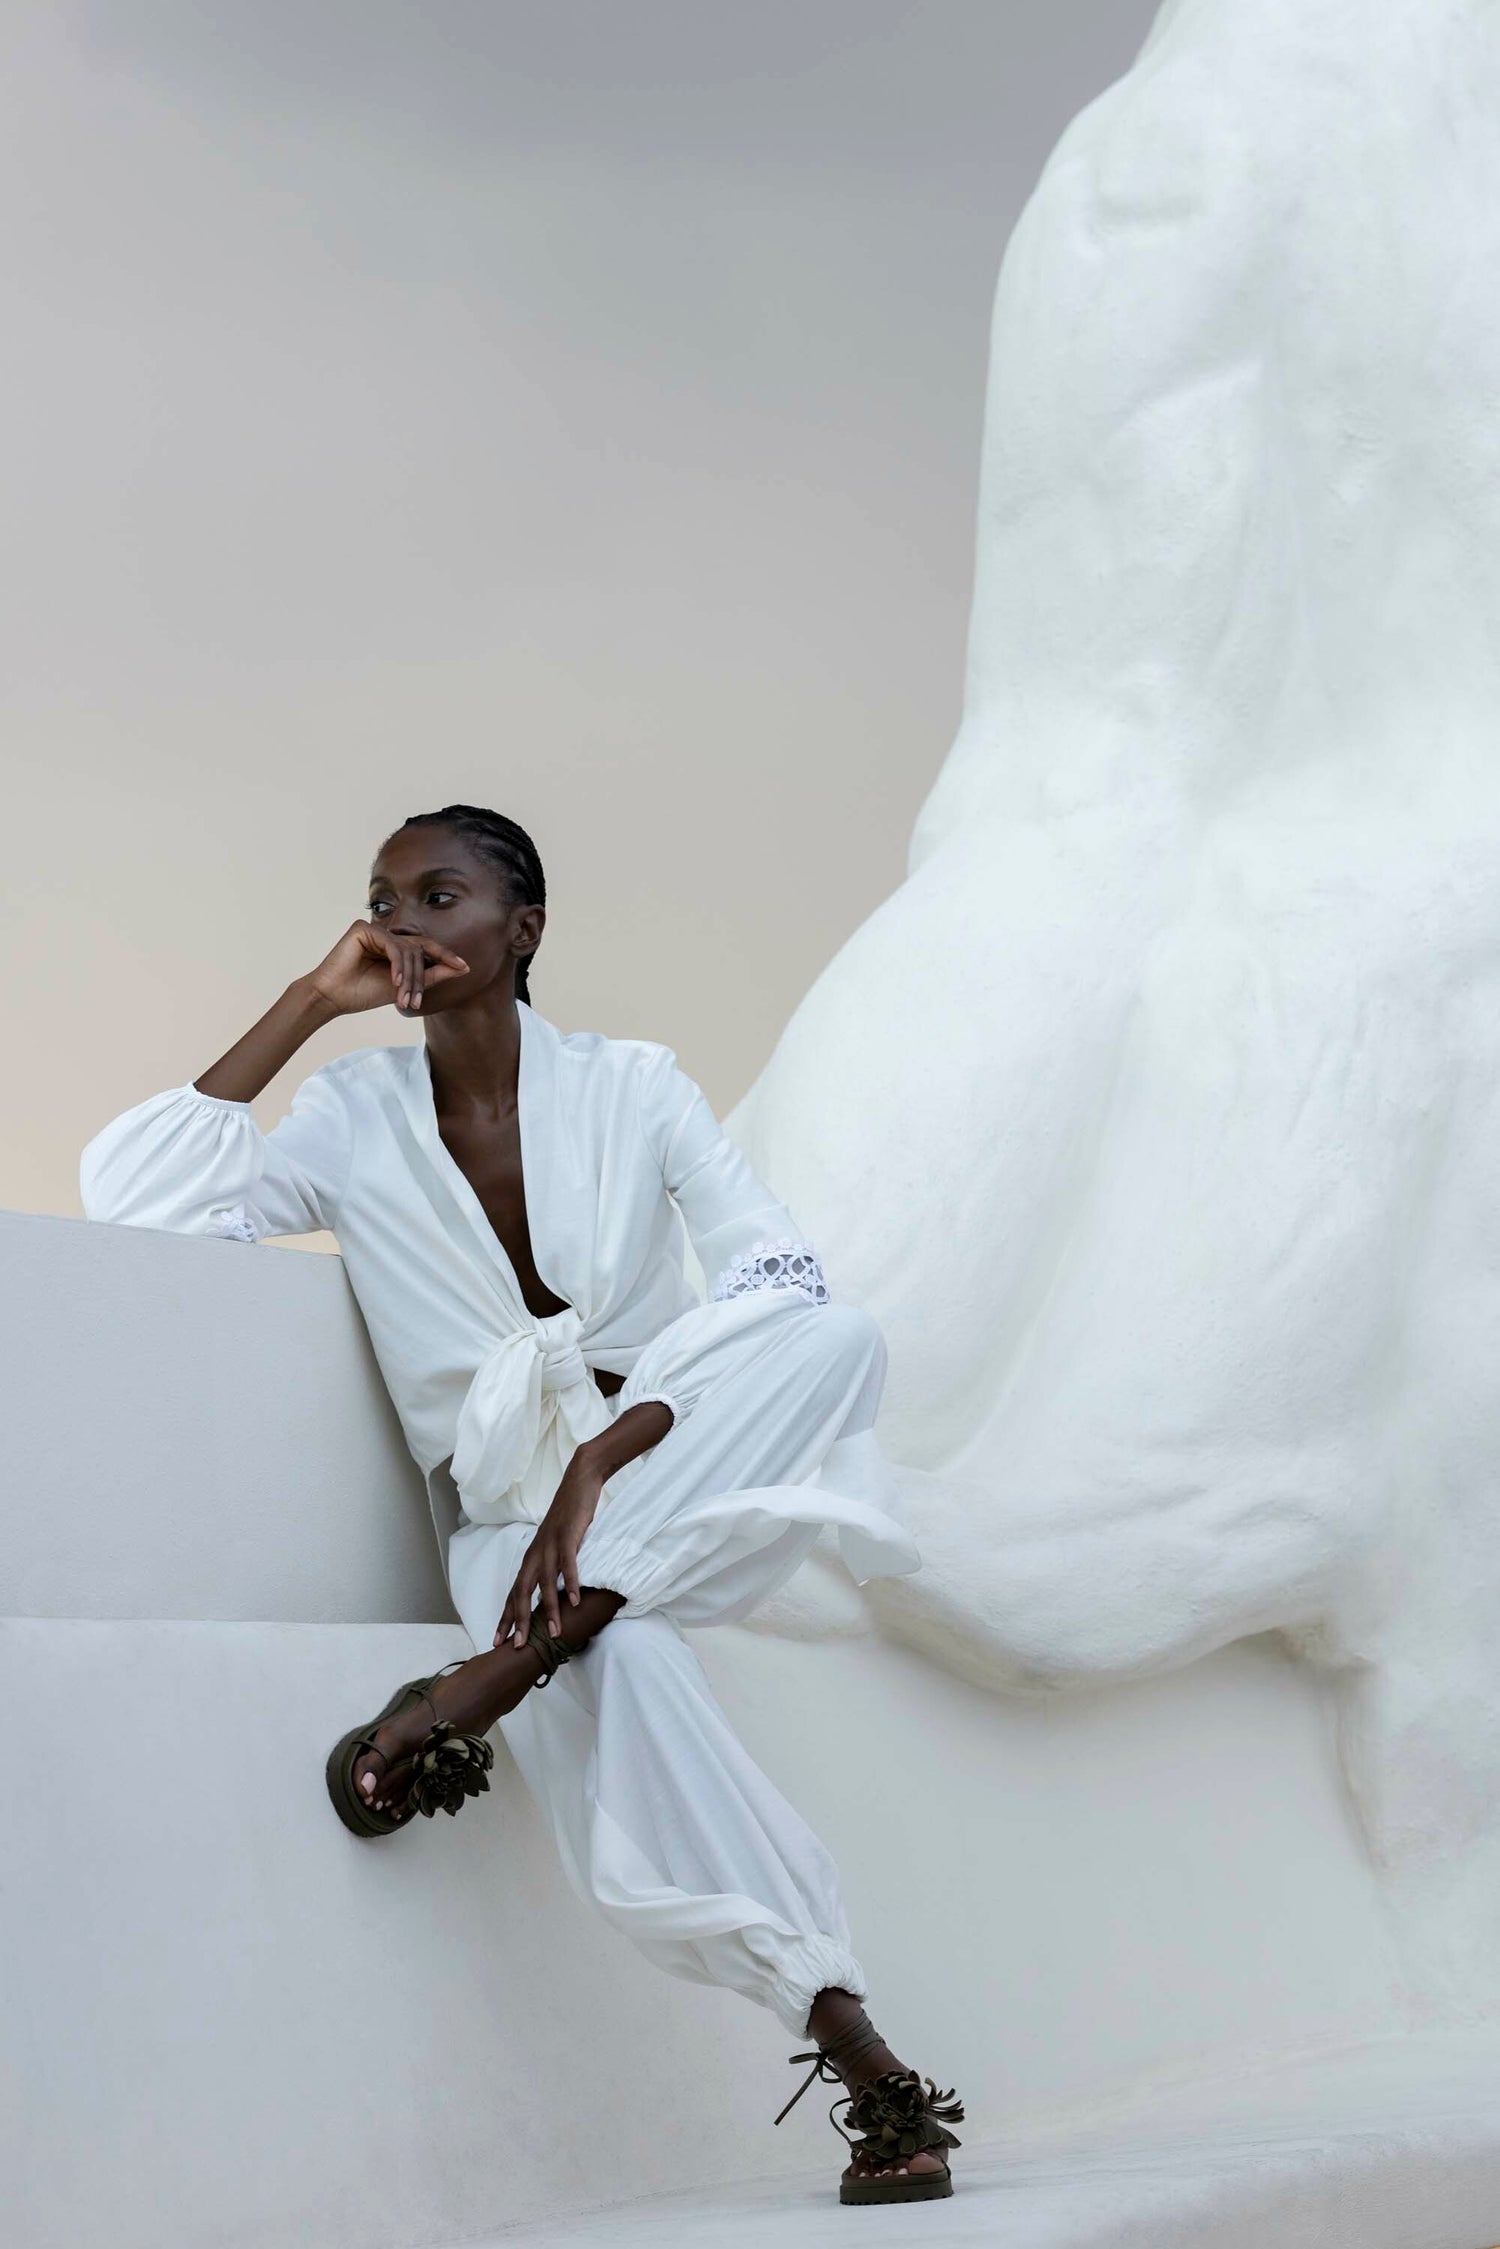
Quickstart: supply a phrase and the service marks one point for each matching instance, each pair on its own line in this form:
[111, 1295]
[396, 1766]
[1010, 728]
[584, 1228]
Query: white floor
[1392, 2146]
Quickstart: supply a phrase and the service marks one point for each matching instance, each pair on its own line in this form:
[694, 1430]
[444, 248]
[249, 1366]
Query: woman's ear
[526, 929]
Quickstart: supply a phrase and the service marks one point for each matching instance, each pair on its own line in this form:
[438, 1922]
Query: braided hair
[490, 836]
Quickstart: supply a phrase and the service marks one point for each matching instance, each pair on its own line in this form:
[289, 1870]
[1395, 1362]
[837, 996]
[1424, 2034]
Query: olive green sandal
[448, 1766]
[898, 2115]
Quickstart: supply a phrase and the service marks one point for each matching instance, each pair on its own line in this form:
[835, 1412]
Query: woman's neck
[475, 1055]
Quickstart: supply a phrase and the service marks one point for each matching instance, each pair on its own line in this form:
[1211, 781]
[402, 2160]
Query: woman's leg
[709, 1522]
[669, 1828]
[471, 1699]
[663, 1820]
[700, 1528]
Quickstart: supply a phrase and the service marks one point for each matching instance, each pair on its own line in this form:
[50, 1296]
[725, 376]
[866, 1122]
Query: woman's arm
[253, 1061]
[742, 1236]
[366, 968]
[553, 1553]
[193, 1160]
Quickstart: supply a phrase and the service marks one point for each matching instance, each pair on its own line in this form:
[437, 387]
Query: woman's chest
[549, 1209]
[488, 1154]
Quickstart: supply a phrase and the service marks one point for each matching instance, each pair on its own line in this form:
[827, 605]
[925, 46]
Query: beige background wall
[572, 409]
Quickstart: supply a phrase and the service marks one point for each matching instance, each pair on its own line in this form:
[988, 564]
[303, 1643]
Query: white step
[1396, 2146]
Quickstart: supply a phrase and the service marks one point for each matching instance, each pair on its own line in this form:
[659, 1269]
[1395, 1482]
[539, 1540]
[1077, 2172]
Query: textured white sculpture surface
[1156, 1115]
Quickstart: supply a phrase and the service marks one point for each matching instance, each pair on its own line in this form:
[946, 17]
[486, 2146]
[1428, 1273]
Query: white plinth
[1387, 2148]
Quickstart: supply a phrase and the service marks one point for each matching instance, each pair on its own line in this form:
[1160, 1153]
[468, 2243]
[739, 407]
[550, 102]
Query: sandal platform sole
[928, 2186]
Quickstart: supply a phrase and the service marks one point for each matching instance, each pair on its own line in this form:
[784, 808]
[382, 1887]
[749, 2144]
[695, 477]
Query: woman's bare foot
[863, 2165]
[833, 2011]
[470, 1699]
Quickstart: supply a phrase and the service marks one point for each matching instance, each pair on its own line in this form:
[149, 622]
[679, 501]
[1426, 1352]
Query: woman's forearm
[636, 1431]
[253, 1061]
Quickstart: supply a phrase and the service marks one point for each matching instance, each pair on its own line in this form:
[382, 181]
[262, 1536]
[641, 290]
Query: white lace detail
[783, 1264]
[235, 1224]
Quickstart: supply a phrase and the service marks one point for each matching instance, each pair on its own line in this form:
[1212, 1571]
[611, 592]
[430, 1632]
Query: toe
[395, 1785]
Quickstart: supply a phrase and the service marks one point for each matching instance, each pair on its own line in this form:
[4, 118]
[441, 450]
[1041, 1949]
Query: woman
[608, 1458]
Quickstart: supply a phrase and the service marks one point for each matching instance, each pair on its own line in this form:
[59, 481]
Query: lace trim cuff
[783, 1264]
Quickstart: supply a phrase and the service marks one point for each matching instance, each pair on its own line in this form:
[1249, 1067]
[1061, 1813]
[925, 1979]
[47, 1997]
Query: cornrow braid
[491, 836]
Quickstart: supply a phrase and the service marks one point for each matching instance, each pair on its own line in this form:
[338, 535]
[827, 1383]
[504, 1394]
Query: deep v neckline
[464, 1186]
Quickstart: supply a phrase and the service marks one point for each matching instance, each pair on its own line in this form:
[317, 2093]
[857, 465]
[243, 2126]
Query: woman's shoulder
[612, 1054]
[628, 1077]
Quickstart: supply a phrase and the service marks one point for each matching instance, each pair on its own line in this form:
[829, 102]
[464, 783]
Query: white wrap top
[616, 1142]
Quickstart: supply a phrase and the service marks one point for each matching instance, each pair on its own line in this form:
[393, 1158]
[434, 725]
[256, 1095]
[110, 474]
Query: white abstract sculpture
[1157, 1115]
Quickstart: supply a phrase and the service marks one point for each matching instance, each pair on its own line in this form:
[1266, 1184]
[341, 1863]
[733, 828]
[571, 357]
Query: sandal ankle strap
[552, 1651]
[829, 2061]
[847, 2045]
[456, 1665]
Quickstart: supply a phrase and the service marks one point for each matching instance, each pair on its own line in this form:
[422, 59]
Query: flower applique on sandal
[448, 1766]
[897, 2116]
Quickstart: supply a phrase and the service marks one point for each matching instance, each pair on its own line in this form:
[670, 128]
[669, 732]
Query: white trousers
[663, 1820]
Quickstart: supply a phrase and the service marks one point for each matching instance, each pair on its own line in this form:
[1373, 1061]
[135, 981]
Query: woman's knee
[848, 1335]
[638, 1647]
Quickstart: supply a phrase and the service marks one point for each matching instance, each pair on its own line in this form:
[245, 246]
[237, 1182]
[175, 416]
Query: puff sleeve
[741, 1235]
[194, 1163]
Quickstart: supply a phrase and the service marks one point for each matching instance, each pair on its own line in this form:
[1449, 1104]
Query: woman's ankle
[842, 2029]
[597, 1606]
[833, 2011]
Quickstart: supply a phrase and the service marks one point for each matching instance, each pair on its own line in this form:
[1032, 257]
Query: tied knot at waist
[533, 1378]
[563, 1362]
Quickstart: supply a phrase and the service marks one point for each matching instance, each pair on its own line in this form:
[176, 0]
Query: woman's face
[426, 882]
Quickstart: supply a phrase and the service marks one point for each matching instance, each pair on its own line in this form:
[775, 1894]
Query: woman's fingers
[412, 976]
[398, 971]
[517, 1604]
[551, 1562]
[520, 1602]
[416, 963]
[442, 964]
[552, 1556]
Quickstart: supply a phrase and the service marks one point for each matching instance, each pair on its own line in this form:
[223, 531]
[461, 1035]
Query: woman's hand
[366, 967]
[553, 1553]
[369, 966]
